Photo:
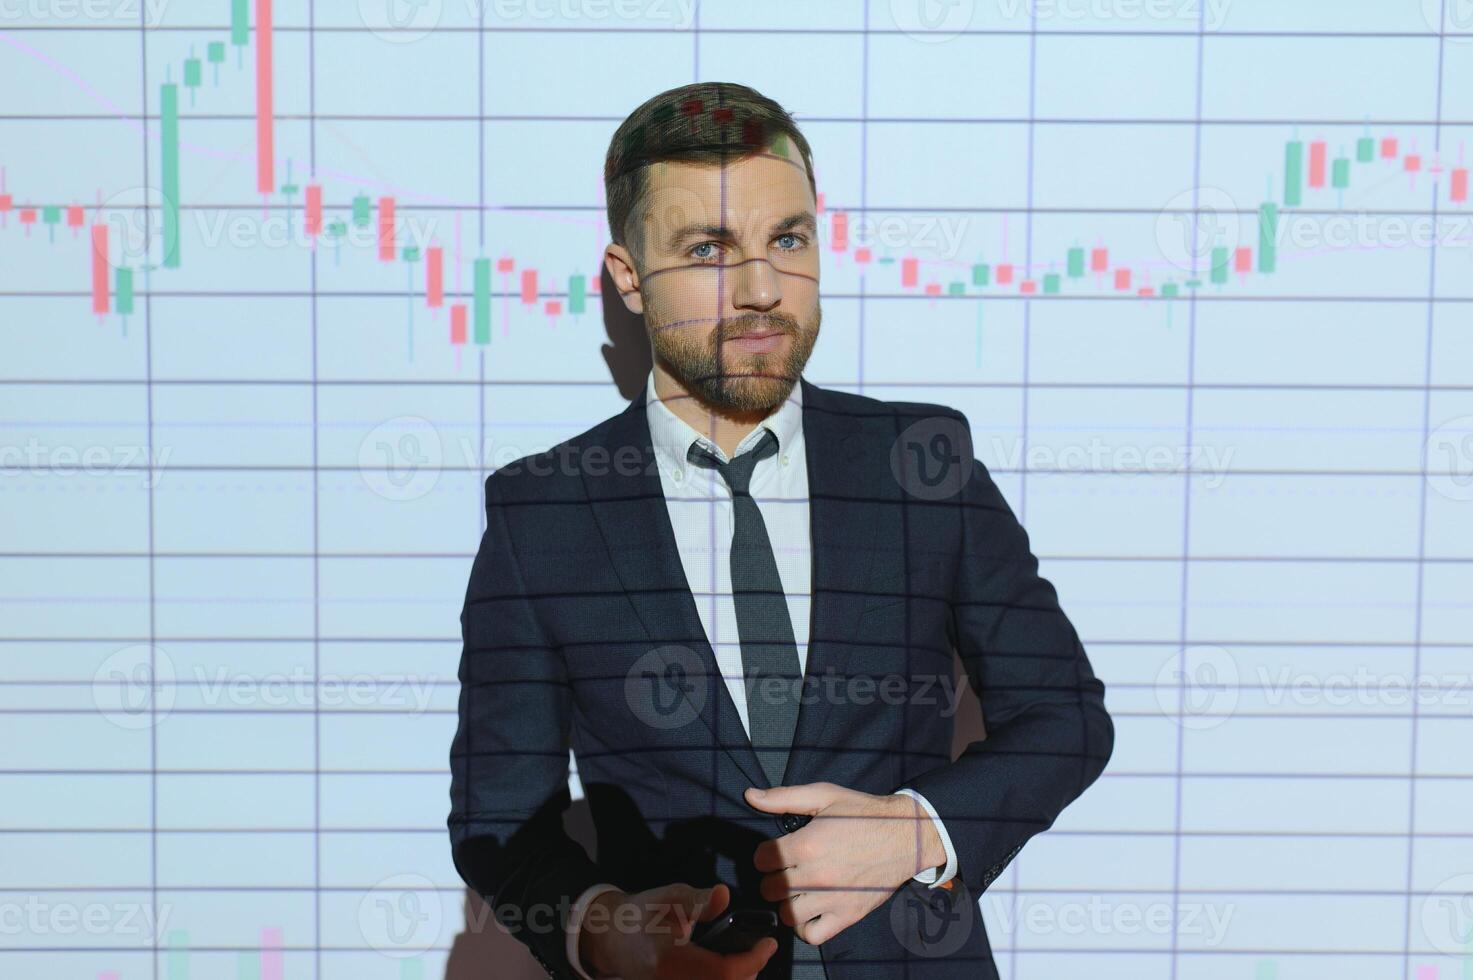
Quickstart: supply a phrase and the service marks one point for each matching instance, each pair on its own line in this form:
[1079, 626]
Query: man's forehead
[759, 184]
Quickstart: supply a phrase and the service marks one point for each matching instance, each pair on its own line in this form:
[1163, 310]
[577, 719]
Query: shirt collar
[672, 435]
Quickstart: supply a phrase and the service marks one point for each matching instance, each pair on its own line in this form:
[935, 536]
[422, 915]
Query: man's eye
[798, 241]
[696, 252]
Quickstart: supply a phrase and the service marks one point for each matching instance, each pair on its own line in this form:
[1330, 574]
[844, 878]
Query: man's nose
[755, 285]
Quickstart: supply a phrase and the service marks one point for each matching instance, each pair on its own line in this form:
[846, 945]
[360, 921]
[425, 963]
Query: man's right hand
[646, 936]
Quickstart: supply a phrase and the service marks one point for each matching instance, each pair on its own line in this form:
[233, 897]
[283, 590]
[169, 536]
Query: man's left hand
[847, 860]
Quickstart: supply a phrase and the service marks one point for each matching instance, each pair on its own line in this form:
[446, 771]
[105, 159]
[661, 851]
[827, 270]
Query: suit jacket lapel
[628, 503]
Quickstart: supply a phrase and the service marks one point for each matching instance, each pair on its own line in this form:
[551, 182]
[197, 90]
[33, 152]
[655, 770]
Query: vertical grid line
[1422, 499]
[1186, 512]
[1024, 394]
[153, 727]
[316, 522]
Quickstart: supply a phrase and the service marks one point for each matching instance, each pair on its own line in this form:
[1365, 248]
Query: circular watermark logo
[1450, 458]
[134, 219]
[1198, 687]
[666, 688]
[1458, 25]
[932, 922]
[134, 687]
[400, 459]
[931, 459]
[1447, 916]
[932, 21]
[1193, 223]
[400, 916]
[400, 21]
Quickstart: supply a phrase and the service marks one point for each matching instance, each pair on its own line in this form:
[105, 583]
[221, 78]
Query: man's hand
[646, 936]
[847, 860]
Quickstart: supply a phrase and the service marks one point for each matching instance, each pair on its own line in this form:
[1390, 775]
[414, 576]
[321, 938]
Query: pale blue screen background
[236, 523]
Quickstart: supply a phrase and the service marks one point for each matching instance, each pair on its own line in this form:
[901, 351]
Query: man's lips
[755, 336]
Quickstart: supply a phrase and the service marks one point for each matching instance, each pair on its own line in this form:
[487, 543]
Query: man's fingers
[718, 896]
[690, 905]
[750, 963]
[822, 929]
[778, 887]
[802, 907]
[803, 798]
[684, 962]
[774, 854]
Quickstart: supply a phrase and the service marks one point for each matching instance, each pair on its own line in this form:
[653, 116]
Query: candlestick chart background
[281, 283]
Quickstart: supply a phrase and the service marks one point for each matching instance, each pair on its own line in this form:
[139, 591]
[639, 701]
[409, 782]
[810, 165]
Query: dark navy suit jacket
[579, 629]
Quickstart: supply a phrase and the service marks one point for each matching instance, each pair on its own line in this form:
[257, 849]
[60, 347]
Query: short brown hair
[704, 122]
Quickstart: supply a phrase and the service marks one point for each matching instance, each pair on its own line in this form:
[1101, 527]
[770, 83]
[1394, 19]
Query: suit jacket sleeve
[1048, 733]
[509, 756]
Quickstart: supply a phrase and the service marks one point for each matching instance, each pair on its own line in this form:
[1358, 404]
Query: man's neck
[725, 429]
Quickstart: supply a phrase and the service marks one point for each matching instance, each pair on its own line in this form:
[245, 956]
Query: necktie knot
[738, 472]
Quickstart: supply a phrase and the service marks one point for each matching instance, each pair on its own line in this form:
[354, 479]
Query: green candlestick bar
[411, 253]
[980, 274]
[177, 959]
[1266, 970]
[1365, 149]
[1268, 236]
[215, 55]
[1340, 173]
[124, 288]
[576, 286]
[169, 136]
[289, 188]
[191, 73]
[1169, 289]
[360, 210]
[1219, 264]
[1293, 172]
[240, 27]
[955, 289]
[482, 301]
[1076, 263]
[1050, 282]
[248, 966]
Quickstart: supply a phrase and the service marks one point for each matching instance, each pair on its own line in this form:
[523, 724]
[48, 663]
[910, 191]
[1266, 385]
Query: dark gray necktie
[769, 652]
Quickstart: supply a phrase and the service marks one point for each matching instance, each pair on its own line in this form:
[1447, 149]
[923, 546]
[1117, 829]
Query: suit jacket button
[793, 821]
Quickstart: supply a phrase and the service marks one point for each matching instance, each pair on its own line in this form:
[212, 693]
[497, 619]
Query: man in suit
[740, 600]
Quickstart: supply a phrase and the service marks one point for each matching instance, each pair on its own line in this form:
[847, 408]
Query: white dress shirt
[703, 519]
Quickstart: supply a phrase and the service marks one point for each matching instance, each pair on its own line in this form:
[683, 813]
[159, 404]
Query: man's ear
[625, 276]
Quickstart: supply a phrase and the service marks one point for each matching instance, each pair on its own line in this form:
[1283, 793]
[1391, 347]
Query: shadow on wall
[483, 948]
[627, 354]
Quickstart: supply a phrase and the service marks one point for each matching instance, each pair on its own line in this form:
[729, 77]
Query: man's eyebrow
[704, 231]
[798, 219]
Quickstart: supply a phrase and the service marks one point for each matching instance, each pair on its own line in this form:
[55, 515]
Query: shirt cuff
[575, 924]
[930, 876]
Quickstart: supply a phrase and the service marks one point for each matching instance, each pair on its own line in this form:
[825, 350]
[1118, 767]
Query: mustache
[776, 322]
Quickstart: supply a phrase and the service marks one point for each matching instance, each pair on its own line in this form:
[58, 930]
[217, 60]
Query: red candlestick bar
[314, 209]
[265, 133]
[99, 268]
[386, 228]
[435, 276]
